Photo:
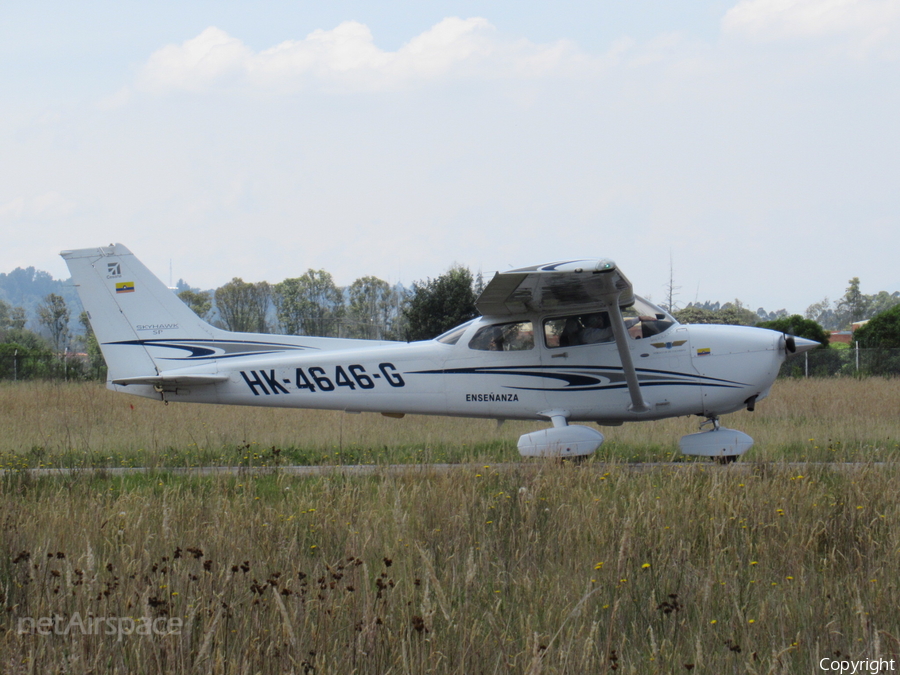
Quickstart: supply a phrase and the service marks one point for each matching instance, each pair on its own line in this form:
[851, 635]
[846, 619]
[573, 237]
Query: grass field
[536, 567]
[58, 424]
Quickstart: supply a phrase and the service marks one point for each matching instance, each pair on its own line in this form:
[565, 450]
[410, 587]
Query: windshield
[642, 319]
[647, 308]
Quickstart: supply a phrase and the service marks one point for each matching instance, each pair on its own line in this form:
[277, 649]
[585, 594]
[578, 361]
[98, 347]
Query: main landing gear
[723, 445]
[562, 440]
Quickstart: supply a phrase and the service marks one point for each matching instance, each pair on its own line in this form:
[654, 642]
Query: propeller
[797, 345]
[790, 344]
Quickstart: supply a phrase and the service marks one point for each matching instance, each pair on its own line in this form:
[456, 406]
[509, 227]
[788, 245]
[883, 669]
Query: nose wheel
[713, 423]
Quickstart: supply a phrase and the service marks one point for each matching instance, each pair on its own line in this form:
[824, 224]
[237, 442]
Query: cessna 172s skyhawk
[564, 342]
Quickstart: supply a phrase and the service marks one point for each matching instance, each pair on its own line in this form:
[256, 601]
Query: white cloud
[346, 57]
[487, 148]
[871, 25]
[197, 63]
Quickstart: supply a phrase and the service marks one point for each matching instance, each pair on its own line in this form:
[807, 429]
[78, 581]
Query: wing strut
[617, 323]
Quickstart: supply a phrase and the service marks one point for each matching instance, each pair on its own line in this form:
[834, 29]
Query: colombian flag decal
[125, 287]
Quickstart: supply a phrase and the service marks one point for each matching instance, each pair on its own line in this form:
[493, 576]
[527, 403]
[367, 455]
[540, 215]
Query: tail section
[150, 338]
[131, 310]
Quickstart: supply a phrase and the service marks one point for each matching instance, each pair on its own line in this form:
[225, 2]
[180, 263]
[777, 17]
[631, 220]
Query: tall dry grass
[84, 424]
[537, 569]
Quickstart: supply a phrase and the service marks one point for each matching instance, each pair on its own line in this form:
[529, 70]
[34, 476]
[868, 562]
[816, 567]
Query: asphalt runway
[432, 469]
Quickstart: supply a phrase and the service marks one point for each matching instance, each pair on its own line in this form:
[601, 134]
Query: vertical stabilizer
[129, 308]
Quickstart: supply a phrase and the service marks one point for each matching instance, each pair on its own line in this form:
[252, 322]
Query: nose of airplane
[797, 345]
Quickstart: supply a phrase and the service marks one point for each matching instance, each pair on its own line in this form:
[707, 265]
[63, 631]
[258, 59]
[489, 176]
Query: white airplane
[564, 342]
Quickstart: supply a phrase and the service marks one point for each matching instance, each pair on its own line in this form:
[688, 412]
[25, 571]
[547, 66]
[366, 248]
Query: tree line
[854, 306]
[52, 352]
[370, 308]
[312, 304]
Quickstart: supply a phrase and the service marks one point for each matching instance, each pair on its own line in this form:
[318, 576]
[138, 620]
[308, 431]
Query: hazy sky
[756, 143]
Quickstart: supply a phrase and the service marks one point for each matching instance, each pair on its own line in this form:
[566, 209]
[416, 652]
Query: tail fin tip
[102, 251]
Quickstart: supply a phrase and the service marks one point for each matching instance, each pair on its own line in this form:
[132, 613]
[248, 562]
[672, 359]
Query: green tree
[23, 354]
[479, 284]
[199, 301]
[882, 301]
[372, 309]
[26, 338]
[694, 314]
[309, 305]
[733, 313]
[800, 327]
[854, 305]
[243, 305]
[823, 314]
[880, 336]
[92, 348]
[881, 331]
[53, 314]
[27, 359]
[11, 318]
[437, 305]
[17, 318]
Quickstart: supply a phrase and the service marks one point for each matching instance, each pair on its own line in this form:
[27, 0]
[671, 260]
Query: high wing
[565, 285]
[569, 285]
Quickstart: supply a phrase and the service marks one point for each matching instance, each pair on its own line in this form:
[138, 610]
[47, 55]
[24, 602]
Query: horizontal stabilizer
[172, 379]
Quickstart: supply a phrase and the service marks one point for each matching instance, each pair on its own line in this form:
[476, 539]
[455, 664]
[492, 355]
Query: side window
[504, 337]
[580, 329]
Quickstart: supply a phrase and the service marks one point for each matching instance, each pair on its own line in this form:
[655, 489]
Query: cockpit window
[642, 320]
[578, 329]
[504, 337]
[451, 337]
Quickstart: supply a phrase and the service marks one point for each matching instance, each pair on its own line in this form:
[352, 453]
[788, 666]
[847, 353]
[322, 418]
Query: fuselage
[511, 367]
[562, 342]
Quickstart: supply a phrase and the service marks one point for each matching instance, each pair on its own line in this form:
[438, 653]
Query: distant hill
[28, 287]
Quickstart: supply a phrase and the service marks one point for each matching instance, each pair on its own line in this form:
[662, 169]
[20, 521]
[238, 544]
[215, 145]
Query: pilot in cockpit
[571, 332]
[596, 328]
[497, 340]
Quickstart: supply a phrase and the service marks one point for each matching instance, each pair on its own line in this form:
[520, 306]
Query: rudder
[127, 306]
